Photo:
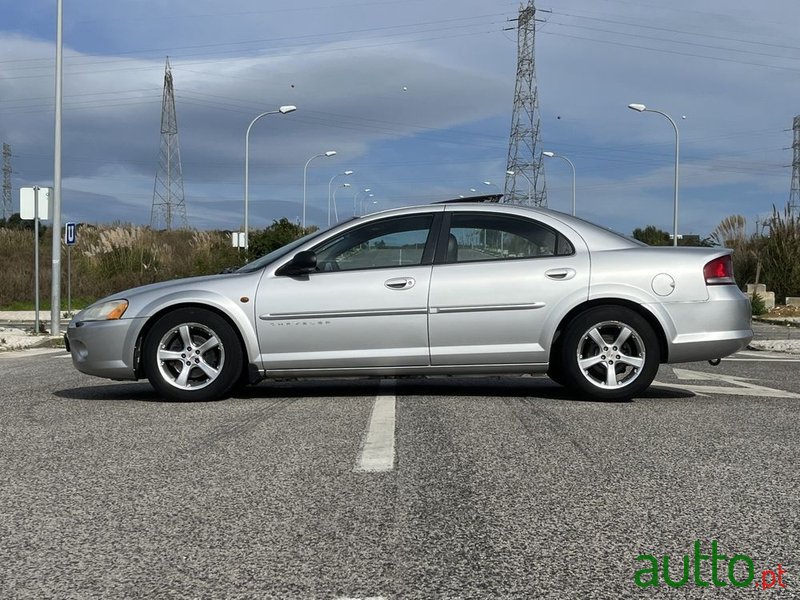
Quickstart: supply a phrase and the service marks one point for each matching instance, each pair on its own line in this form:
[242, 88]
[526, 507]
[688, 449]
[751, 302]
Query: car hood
[220, 283]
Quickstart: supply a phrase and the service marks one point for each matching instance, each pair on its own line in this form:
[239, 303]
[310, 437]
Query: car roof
[600, 237]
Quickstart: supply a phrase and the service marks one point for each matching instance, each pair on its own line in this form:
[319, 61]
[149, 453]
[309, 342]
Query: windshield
[263, 261]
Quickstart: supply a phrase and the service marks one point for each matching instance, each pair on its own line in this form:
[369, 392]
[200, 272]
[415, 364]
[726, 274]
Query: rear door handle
[400, 283]
[560, 274]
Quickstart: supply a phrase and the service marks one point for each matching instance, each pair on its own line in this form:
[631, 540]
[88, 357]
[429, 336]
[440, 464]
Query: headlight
[107, 311]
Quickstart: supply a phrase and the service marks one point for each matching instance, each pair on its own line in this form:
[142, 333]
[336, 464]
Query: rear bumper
[709, 330]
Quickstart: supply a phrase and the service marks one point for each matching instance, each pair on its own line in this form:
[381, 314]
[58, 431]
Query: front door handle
[560, 274]
[400, 283]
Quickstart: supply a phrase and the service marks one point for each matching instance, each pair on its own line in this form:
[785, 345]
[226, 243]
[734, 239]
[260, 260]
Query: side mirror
[302, 263]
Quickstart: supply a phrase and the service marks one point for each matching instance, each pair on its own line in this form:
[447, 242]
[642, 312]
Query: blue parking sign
[70, 234]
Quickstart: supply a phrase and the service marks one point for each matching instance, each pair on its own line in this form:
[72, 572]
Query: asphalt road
[497, 488]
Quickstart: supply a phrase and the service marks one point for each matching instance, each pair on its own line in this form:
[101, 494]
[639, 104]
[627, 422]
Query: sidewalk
[17, 330]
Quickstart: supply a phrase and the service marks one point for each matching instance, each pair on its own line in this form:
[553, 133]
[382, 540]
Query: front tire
[192, 354]
[609, 353]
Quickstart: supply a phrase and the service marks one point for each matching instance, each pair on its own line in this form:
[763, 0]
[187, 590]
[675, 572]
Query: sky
[415, 97]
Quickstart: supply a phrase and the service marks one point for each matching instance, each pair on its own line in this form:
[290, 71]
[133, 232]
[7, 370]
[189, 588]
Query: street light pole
[329, 193]
[554, 155]
[305, 172]
[362, 201]
[335, 211]
[355, 199]
[55, 287]
[282, 110]
[643, 108]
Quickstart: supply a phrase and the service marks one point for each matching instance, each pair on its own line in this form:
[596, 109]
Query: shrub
[757, 305]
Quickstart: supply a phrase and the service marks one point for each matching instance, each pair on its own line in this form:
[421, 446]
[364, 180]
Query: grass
[107, 259]
[44, 305]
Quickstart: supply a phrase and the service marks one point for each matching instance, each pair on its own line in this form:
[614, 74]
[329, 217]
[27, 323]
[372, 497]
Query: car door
[497, 285]
[364, 306]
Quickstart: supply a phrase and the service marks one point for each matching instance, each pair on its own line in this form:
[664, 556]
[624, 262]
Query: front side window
[389, 243]
[478, 237]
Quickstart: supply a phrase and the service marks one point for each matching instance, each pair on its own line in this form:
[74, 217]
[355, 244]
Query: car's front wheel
[609, 353]
[192, 354]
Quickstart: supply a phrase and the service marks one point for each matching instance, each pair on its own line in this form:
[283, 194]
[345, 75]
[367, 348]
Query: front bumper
[104, 348]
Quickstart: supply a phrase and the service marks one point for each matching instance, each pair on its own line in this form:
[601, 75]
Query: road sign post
[70, 239]
[34, 203]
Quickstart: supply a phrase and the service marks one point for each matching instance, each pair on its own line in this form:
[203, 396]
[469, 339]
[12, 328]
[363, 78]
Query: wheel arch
[148, 325]
[648, 316]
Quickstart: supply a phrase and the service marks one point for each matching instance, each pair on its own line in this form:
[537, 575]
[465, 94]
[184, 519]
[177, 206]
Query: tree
[16, 222]
[652, 236]
[276, 235]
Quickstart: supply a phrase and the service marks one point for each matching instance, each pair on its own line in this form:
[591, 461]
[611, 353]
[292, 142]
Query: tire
[192, 355]
[594, 366]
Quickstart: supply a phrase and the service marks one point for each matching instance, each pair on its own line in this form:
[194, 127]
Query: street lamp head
[348, 172]
[549, 154]
[487, 183]
[637, 107]
[345, 185]
[330, 153]
[367, 190]
[287, 109]
[509, 172]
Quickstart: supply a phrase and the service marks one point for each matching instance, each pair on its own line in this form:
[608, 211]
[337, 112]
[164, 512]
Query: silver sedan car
[442, 289]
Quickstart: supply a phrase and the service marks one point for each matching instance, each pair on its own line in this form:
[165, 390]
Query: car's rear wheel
[609, 353]
[192, 354]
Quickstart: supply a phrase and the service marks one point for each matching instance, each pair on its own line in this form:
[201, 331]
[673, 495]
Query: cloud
[415, 98]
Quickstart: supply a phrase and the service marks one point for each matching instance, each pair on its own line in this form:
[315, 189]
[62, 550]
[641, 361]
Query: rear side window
[480, 237]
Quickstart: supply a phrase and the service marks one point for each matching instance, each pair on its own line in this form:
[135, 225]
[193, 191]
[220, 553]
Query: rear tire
[609, 353]
[192, 355]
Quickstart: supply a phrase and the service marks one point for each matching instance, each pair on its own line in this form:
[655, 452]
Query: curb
[777, 321]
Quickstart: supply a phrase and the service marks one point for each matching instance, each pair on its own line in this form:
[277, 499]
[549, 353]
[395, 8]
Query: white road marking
[377, 454]
[762, 356]
[738, 386]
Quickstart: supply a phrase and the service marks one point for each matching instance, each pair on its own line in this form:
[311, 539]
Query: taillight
[719, 271]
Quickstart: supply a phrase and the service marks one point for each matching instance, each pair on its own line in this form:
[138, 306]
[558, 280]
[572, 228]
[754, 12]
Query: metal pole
[675, 206]
[55, 288]
[329, 198]
[247, 176]
[335, 212]
[305, 172]
[69, 281]
[677, 161]
[36, 258]
[573, 180]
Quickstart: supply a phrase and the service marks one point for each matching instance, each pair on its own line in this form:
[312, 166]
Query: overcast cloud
[416, 98]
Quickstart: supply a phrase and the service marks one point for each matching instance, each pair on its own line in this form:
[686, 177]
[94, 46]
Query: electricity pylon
[525, 182]
[794, 194]
[6, 181]
[168, 201]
